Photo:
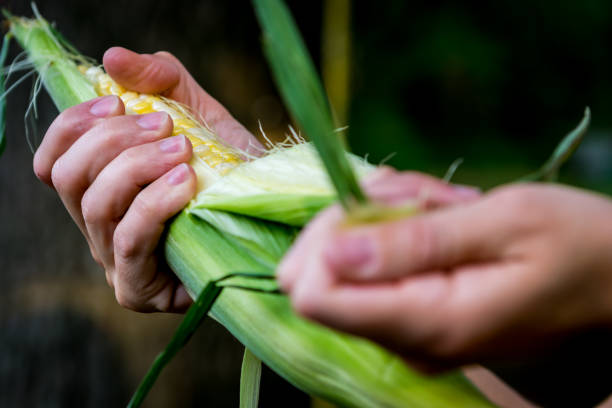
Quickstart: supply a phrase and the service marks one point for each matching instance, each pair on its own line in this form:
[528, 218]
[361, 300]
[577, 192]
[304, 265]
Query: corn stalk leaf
[3, 53]
[266, 242]
[250, 376]
[61, 77]
[194, 316]
[192, 320]
[564, 150]
[301, 89]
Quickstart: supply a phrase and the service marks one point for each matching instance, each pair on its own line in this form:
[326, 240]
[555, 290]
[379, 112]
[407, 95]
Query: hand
[476, 280]
[121, 178]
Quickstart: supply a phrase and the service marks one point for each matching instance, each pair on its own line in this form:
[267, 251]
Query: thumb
[161, 73]
[143, 73]
[433, 241]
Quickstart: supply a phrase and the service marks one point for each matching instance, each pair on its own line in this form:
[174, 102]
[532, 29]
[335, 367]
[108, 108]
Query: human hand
[479, 280]
[121, 178]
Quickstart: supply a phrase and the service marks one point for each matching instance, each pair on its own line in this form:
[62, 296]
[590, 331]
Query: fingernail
[172, 144]
[351, 253]
[178, 174]
[466, 191]
[151, 121]
[104, 106]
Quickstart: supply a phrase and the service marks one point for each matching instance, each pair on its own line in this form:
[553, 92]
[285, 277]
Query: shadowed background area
[497, 84]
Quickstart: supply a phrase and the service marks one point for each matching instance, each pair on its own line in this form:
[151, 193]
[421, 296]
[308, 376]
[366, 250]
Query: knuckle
[62, 176]
[152, 71]
[89, 209]
[416, 234]
[71, 121]
[109, 132]
[522, 204]
[124, 299]
[167, 55]
[515, 198]
[131, 155]
[125, 245]
[145, 208]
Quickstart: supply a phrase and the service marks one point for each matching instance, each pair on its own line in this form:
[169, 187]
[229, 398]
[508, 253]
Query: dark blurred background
[496, 83]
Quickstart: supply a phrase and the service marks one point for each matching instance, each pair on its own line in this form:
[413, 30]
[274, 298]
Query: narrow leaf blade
[3, 53]
[563, 151]
[250, 377]
[304, 96]
[194, 316]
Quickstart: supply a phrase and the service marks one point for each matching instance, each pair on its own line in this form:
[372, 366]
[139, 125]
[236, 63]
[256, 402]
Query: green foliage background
[497, 83]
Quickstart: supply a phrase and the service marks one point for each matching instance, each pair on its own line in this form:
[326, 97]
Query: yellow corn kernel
[207, 147]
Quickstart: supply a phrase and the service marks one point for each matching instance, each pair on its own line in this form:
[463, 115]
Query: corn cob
[204, 244]
[212, 158]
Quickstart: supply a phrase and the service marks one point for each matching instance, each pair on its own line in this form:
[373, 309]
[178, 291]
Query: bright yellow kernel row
[211, 151]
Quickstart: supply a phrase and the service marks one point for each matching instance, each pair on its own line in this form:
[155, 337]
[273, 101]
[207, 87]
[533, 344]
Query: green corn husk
[61, 77]
[261, 206]
[287, 186]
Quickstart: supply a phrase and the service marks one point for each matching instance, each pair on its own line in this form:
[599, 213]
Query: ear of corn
[287, 186]
[63, 81]
[205, 243]
[212, 158]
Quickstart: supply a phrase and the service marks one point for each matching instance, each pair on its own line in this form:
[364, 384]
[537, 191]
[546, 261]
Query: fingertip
[141, 72]
[155, 121]
[105, 106]
[180, 175]
[116, 57]
[69, 126]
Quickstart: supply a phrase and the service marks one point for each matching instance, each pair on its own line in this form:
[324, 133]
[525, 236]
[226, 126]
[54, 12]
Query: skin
[121, 178]
[477, 278]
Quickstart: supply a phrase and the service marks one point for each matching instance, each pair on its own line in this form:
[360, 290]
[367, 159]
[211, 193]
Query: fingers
[142, 72]
[392, 188]
[162, 73]
[78, 167]
[386, 250]
[434, 315]
[293, 264]
[436, 240]
[377, 311]
[137, 279]
[68, 127]
[112, 192]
